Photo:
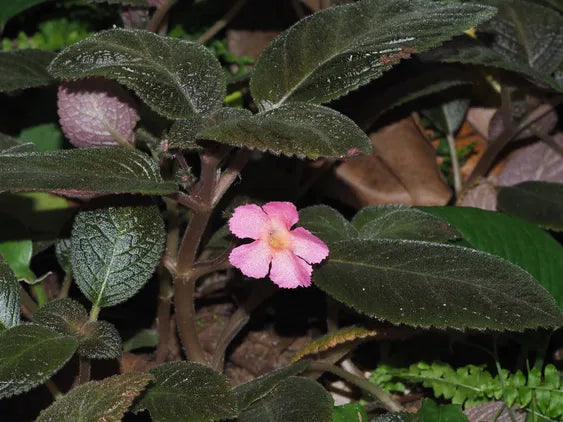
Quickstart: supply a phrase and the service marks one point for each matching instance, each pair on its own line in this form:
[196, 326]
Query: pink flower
[291, 252]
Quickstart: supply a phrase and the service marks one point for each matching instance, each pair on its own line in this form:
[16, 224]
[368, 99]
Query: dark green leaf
[431, 284]
[399, 222]
[20, 69]
[339, 49]
[9, 298]
[115, 251]
[301, 129]
[327, 223]
[11, 8]
[176, 78]
[431, 412]
[29, 355]
[62, 252]
[105, 400]
[89, 170]
[16, 247]
[256, 389]
[539, 202]
[65, 316]
[144, 338]
[448, 116]
[99, 340]
[46, 137]
[294, 399]
[188, 392]
[511, 238]
[352, 412]
[183, 134]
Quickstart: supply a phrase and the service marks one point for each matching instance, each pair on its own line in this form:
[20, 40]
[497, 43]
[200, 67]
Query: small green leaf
[431, 412]
[538, 202]
[294, 399]
[327, 223]
[20, 69]
[89, 170]
[511, 238]
[352, 412]
[65, 316]
[449, 116]
[46, 137]
[9, 298]
[176, 78]
[144, 338]
[115, 251]
[17, 249]
[105, 400]
[399, 222]
[29, 355]
[99, 340]
[432, 284]
[301, 129]
[188, 392]
[62, 252]
[340, 49]
[11, 8]
[257, 388]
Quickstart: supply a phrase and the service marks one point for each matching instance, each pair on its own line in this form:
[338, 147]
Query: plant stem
[231, 174]
[548, 140]
[156, 20]
[67, 281]
[94, 312]
[84, 370]
[221, 23]
[360, 382]
[27, 303]
[53, 389]
[40, 294]
[455, 163]
[259, 293]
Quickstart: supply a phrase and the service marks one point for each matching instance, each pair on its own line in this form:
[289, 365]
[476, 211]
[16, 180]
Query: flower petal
[282, 211]
[249, 221]
[253, 259]
[308, 246]
[289, 271]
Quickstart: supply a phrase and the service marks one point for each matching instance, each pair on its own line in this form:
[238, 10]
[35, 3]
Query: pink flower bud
[96, 112]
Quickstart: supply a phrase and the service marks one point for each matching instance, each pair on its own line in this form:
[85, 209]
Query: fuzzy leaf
[99, 340]
[523, 37]
[511, 238]
[174, 77]
[326, 223]
[9, 298]
[339, 49]
[29, 355]
[431, 284]
[301, 129]
[538, 202]
[20, 69]
[62, 252]
[65, 316]
[188, 392]
[92, 170]
[334, 339]
[399, 222]
[294, 399]
[115, 251]
[105, 400]
[257, 388]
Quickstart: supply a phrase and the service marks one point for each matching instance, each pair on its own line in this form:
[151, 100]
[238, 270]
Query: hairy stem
[65, 287]
[53, 389]
[360, 382]
[221, 23]
[84, 370]
[28, 305]
[158, 17]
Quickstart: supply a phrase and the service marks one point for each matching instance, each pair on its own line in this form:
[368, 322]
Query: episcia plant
[154, 152]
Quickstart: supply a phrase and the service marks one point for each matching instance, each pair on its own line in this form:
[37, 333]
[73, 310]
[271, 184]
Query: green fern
[471, 385]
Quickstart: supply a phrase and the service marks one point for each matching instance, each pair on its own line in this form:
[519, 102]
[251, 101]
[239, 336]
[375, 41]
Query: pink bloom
[291, 252]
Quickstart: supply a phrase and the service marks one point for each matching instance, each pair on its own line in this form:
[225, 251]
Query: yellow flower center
[278, 239]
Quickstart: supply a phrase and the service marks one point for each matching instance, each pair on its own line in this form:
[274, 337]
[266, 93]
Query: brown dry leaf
[479, 118]
[487, 411]
[131, 362]
[537, 161]
[401, 170]
[242, 42]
